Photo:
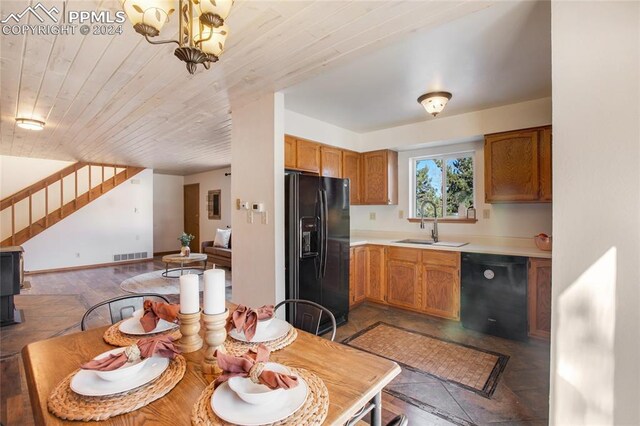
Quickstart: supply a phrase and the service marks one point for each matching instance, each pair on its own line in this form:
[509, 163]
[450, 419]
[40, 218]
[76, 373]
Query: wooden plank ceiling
[118, 99]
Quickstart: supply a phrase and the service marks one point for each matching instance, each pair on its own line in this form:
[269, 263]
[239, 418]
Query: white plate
[229, 407]
[87, 382]
[132, 325]
[277, 329]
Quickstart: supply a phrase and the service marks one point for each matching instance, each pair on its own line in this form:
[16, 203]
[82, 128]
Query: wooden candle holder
[190, 330]
[215, 334]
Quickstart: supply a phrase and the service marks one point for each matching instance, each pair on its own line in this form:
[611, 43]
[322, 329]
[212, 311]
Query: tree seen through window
[451, 176]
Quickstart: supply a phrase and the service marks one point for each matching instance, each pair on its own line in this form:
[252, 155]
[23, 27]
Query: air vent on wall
[129, 256]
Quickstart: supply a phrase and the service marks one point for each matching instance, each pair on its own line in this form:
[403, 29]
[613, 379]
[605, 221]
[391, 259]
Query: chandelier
[202, 31]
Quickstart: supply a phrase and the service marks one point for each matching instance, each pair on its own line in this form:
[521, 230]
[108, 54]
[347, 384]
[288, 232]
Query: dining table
[354, 379]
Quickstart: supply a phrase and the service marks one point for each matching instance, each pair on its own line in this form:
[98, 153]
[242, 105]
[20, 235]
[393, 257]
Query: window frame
[444, 157]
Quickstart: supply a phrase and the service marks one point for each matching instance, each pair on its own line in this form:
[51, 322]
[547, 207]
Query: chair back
[307, 315]
[121, 307]
[400, 420]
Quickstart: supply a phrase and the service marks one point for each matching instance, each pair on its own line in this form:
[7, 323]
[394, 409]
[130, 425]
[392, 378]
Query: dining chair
[121, 307]
[308, 315]
[400, 420]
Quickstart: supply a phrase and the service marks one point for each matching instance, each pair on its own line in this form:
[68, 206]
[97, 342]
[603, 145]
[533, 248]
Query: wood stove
[11, 278]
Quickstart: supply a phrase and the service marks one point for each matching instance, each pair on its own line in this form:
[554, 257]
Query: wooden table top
[178, 258]
[352, 377]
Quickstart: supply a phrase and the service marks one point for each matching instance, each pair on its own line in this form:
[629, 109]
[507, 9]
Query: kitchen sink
[412, 241]
[431, 243]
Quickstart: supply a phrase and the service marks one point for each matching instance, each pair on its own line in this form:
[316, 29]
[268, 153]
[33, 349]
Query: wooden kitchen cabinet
[307, 156]
[289, 152]
[539, 295]
[358, 275]
[380, 177]
[545, 164]
[375, 282]
[351, 169]
[518, 166]
[440, 275]
[330, 162]
[403, 278]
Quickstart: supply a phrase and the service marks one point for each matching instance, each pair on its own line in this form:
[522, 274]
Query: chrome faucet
[434, 231]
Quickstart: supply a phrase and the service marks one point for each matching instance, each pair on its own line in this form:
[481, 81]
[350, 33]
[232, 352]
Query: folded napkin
[246, 319]
[155, 311]
[252, 365]
[149, 346]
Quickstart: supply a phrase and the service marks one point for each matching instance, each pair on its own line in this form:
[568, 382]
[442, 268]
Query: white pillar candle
[189, 294]
[214, 292]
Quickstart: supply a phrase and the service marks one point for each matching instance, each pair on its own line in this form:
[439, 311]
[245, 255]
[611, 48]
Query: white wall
[16, 173]
[306, 127]
[120, 221]
[214, 179]
[595, 339]
[257, 152]
[168, 212]
[462, 127]
[505, 220]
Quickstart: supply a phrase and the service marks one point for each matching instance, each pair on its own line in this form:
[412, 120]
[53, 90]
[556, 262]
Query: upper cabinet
[290, 144]
[518, 166]
[351, 169]
[330, 162]
[545, 164]
[380, 177]
[307, 156]
[373, 175]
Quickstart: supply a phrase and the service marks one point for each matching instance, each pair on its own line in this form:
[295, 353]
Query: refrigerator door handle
[321, 230]
[325, 231]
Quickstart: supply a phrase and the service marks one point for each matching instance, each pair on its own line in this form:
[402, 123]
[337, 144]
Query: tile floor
[521, 397]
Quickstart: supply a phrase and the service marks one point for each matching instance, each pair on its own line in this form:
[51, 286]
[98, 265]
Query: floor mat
[472, 368]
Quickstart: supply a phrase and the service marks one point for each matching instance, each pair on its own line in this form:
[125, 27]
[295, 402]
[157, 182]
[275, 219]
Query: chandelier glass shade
[201, 26]
[434, 102]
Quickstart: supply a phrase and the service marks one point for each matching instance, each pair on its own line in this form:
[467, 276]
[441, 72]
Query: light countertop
[474, 247]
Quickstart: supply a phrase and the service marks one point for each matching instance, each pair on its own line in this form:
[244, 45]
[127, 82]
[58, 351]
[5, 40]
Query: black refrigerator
[317, 243]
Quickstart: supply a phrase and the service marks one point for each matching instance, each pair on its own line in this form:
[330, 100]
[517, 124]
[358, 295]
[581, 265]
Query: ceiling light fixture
[30, 124]
[201, 28]
[434, 102]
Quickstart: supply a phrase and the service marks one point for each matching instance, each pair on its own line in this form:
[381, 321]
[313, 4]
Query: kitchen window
[446, 181]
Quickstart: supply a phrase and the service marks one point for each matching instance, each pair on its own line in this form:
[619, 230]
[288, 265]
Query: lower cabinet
[539, 294]
[358, 275]
[441, 291]
[403, 284]
[375, 288]
[426, 281]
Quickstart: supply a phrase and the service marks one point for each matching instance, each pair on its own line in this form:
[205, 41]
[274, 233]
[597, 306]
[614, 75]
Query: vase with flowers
[185, 240]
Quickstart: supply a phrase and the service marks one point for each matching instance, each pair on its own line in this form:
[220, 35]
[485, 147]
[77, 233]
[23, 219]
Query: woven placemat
[68, 405]
[313, 411]
[115, 337]
[237, 348]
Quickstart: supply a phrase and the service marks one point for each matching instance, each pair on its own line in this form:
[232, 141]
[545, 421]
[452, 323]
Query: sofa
[217, 255]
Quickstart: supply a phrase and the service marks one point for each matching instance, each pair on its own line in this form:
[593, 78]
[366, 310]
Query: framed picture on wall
[213, 204]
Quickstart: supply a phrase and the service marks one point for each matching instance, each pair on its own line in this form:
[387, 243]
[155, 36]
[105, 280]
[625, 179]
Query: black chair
[400, 420]
[122, 307]
[308, 315]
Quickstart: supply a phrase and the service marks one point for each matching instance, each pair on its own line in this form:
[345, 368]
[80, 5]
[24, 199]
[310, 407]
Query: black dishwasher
[493, 298]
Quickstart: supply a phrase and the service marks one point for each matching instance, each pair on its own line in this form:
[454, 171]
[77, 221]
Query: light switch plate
[486, 213]
[372, 216]
[401, 214]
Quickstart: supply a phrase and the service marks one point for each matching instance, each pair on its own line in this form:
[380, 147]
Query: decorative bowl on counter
[543, 242]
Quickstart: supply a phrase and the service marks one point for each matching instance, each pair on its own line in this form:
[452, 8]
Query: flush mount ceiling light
[201, 28]
[434, 102]
[30, 124]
